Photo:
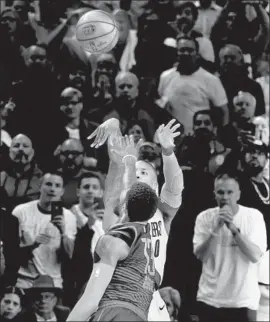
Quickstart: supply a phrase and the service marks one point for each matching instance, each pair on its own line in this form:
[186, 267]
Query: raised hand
[128, 147]
[166, 134]
[109, 128]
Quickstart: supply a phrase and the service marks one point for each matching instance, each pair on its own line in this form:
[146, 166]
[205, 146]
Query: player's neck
[74, 124]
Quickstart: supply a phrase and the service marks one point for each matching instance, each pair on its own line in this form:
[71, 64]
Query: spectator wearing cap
[202, 151]
[254, 185]
[208, 12]
[9, 244]
[89, 214]
[234, 77]
[21, 177]
[189, 88]
[12, 304]
[230, 240]
[46, 236]
[44, 297]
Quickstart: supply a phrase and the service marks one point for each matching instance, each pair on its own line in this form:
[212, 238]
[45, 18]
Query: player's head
[141, 202]
[146, 173]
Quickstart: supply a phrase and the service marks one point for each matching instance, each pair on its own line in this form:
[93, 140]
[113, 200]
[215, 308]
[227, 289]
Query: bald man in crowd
[129, 105]
[21, 177]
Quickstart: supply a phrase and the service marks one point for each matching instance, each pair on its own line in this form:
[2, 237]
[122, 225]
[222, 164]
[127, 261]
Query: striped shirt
[135, 278]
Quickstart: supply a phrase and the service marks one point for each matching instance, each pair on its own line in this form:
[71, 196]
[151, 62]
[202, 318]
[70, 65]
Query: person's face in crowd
[77, 79]
[52, 188]
[203, 126]
[123, 26]
[184, 18]
[71, 156]
[255, 161]
[205, 3]
[186, 54]
[21, 150]
[230, 20]
[10, 306]
[37, 58]
[147, 174]
[137, 133]
[227, 192]
[9, 22]
[127, 87]
[45, 303]
[71, 104]
[90, 189]
[244, 110]
[21, 7]
[230, 60]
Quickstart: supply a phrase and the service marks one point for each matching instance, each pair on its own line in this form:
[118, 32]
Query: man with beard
[21, 178]
[189, 88]
[46, 236]
[254, 186]
[70, 156]
[185, 19]
[36, 100]
[234, 77]
[203, 151]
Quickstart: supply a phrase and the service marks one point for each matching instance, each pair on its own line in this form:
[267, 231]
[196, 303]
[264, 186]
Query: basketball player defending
[169, 201]
[123, 280]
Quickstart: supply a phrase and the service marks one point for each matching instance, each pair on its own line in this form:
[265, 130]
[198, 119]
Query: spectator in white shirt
[46, 240]
[189, 88]
[229, 240]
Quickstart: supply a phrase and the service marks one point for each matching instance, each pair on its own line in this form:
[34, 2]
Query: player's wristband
[129, 155]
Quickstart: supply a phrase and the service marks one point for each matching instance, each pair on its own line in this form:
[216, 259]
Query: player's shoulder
[128, 232]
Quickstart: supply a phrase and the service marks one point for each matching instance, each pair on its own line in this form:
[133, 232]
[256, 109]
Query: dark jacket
[23, 188]
[61, 313]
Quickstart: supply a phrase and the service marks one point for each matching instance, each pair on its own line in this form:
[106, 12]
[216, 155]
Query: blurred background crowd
[204, 63]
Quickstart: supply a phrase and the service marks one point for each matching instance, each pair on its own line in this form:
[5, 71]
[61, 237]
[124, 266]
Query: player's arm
[110, 130]
[171, 192]
[109, 251]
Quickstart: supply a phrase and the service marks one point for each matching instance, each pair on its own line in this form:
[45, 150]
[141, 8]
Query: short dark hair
[141, 202]
[54, 173]
[197, 46]
[88, 175]
[226, 174]
[203, 112]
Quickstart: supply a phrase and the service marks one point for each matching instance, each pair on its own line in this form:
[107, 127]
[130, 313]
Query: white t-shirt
[82, 220]
[188, 94]
[45, 261]
[229, 279]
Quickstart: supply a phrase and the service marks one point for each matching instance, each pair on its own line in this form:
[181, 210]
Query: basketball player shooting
[170, 197]
[123, 280]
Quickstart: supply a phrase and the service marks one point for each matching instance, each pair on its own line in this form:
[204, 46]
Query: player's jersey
[134, 279]
[159, 239]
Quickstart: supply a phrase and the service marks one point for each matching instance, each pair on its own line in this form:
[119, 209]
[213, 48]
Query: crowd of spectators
[204, 63]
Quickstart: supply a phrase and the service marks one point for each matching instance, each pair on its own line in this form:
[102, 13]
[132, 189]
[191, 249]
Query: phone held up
[57, 209]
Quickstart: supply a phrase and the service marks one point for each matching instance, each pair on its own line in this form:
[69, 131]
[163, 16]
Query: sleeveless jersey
[159, 239]
[134, 279]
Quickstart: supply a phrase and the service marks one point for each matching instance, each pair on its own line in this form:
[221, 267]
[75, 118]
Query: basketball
[97, 32]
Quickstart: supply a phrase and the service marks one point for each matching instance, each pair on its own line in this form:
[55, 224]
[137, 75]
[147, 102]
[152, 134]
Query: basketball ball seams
[92, 38]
